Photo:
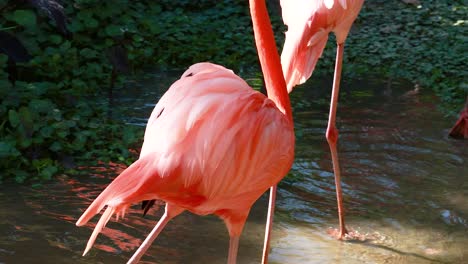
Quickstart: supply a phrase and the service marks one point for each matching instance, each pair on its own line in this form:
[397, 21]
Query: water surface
[405, 190]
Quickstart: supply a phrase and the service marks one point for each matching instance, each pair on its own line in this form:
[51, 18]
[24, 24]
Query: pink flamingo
[212, 145]
[309, 23]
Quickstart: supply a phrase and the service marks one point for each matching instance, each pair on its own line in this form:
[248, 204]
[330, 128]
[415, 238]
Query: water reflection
[404, 186]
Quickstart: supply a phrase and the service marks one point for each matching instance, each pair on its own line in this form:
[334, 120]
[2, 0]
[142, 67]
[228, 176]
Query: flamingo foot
[337, 233]
[352, 235]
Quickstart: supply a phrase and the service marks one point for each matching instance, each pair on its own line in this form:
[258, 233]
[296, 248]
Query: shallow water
[405, 190]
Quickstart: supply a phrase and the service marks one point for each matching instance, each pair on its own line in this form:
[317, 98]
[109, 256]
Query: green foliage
[54, 115]
[25, 18]
[44, 125]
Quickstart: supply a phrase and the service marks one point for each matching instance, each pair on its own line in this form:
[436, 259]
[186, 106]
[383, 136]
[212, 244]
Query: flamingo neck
[269, 58]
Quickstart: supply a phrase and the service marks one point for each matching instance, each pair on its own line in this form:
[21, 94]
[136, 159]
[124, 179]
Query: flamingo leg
[332, 137]
[269, 224]
[233, 247]
[170, 212]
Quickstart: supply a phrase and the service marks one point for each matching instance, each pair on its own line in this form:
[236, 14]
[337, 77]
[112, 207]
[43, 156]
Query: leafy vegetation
[62, 59]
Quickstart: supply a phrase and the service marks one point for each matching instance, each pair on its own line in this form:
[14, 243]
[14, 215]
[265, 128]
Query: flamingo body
[212, 145]
[309, 23]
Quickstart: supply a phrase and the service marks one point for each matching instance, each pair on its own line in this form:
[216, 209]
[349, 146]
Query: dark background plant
[56, 105]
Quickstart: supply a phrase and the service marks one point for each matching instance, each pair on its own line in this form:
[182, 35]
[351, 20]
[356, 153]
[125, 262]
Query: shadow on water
[404, 183]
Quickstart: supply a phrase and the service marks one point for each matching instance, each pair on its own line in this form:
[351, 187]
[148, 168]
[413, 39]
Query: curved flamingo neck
[269, 57]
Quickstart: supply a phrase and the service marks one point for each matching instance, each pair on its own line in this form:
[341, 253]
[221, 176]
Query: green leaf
[55, 39]
[48, 172]
[25, 18]
[8, 150]
[40, 88]
[56, 114]
[88, 53]
[46, 131]
[63, 134]
[137, 38]
[56, 146]
[75, 26]
[38, 140]
[91, 22]
[41, 106]
[113, 30]
[20, 175]
[26, 118]
[24, 142]
[148, 52]
[13, 117]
